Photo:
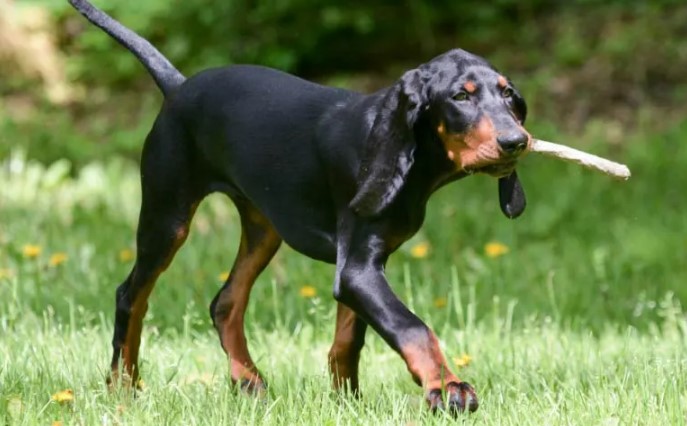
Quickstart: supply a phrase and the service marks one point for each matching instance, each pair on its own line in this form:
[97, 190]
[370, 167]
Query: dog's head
[475, 114]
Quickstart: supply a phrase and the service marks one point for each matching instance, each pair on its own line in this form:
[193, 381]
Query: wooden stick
[582, 158]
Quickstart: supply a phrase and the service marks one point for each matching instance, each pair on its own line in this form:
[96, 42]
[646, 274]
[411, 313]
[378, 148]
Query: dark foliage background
[579, 61]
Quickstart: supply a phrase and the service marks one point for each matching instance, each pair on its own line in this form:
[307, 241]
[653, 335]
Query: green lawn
[577, 319]
[537, 374]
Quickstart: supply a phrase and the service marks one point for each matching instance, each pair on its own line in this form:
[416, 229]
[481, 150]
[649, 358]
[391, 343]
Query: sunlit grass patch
[540, 374]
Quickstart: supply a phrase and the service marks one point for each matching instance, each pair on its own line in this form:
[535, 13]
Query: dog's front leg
[362, 286]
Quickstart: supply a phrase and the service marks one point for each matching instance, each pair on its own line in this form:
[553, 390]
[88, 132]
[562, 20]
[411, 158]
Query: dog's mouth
[479, 150]
[497, 170]
[511, 194]
[504, 164]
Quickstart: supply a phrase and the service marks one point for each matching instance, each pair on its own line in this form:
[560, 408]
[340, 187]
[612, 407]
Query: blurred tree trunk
[27, 49]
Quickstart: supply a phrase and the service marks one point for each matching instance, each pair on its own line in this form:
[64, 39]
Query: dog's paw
[461, 396]
[253, 387]
[115, 381]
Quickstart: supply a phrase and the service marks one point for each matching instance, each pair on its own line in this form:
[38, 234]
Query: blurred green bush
[317, 37]
[576, 61]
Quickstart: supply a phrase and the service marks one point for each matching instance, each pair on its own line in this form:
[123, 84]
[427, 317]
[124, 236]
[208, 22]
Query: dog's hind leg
[170, 196]
[344, 354]
[259, 243]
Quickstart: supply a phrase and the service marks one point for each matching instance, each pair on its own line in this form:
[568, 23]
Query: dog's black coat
[339, 176]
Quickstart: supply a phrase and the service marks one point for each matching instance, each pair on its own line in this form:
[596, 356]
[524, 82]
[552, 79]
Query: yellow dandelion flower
[57, 259]
[420, 250]
[56, 423]
[125, 255]
[462, 361]
[31, 251]
[440, 302]
[307, 291]
[6, 273]
[63, 397]
[223, 276]
[495, 249]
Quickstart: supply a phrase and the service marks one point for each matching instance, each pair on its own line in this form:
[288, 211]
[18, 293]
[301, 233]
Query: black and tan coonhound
[340, 176]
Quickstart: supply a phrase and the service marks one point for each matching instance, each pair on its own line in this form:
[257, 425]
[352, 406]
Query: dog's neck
[431, 159]
[431, 170]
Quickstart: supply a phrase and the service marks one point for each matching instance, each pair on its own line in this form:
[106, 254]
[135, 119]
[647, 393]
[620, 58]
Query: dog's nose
[513, 142]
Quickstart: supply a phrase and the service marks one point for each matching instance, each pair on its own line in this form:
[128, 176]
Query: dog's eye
[507, 92]
[460, 96]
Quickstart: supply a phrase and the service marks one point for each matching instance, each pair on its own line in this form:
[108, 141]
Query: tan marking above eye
[470, 86]
[502, 81]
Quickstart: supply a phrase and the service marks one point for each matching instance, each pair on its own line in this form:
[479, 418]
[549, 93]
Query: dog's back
[253, 126]
[248, 106]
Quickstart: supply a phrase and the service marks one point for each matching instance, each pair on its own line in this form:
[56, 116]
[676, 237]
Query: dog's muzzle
[513, 143]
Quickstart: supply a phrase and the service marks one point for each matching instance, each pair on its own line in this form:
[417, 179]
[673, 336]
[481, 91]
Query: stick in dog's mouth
[573, 155]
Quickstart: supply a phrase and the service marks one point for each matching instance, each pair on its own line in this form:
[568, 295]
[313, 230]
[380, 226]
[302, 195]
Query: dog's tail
[163, 72]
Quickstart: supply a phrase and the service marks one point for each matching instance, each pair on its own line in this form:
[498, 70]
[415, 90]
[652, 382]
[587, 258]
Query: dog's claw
[460, 396]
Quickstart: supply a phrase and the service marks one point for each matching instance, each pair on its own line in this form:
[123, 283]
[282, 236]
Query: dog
[340, 176]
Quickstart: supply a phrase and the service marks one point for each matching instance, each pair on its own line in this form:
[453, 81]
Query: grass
[537, 374]
[575, 318]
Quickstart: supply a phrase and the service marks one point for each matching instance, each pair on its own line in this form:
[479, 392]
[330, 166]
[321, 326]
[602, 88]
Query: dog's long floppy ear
[390, 145]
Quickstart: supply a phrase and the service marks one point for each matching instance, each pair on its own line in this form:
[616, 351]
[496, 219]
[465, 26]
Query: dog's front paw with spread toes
[460, 396]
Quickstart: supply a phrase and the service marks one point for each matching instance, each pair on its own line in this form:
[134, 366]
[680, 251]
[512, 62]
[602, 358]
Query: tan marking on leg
[427, 364]
[344, 354]
[132, 341]
[139, 307]
[231, 306]
[429, 369]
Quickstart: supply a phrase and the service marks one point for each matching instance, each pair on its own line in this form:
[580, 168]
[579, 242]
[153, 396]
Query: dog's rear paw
[461, 396]
[115, 380]
[253, 387]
